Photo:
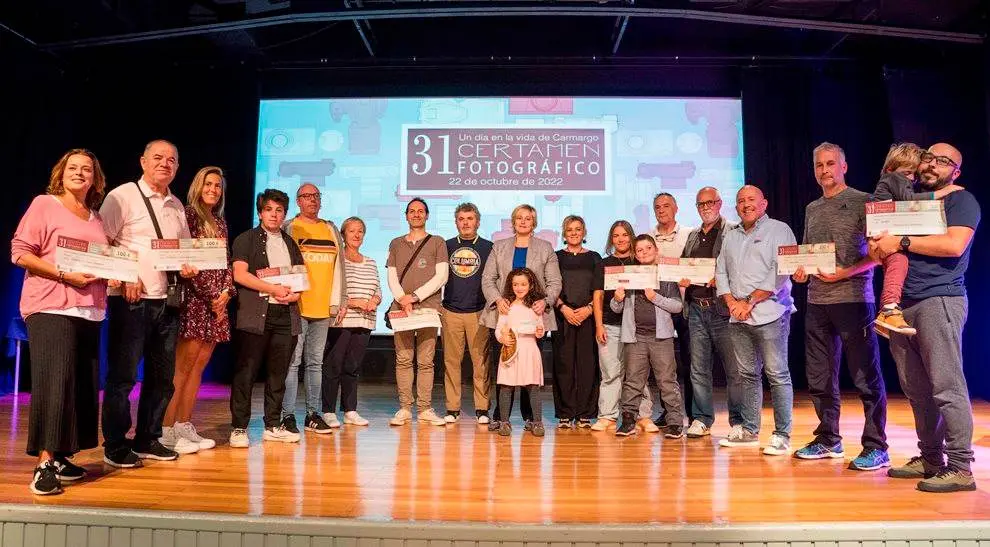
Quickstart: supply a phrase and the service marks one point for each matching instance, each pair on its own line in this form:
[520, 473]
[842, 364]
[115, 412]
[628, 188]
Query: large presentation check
[699, 270]
[418, 319]
[817, 258]
[905, 218]
[296, 278]
[103, 261]
[202, 254]
[631, 277]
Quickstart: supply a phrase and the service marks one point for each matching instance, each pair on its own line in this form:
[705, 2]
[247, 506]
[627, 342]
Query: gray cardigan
[667, 301]
[540, 258]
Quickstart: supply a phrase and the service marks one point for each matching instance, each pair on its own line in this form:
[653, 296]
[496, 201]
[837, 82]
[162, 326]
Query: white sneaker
[603, 424]
[430, 417]
[280, 434]
[450, 418]
[351, 417]
[483, 419]
[331, 419]
[739, 437]
[698, 429]
[779, 446]
[188, 431]
[239, 438]
[401, 417]
[173, 441]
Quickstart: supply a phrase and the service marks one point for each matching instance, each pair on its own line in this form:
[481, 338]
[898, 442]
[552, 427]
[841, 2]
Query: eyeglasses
[311, 195]
[707, 204]
[942, 161]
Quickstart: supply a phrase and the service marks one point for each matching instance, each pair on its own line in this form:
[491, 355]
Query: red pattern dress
[196, 318]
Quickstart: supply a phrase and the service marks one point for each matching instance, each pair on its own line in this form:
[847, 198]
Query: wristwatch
[748, 299]
[905, 243]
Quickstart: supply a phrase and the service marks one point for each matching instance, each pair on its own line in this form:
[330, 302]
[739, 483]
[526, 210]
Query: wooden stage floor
[463, 473]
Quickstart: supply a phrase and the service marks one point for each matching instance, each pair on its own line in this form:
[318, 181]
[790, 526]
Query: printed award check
[418, 319]
[296, 278]
[905, 218]
[631, 277]
[103, 261]
[699, 270]
[818, 258]
[202, 254]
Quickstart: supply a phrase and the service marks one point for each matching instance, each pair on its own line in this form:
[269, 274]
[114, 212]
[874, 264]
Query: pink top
[37, 233]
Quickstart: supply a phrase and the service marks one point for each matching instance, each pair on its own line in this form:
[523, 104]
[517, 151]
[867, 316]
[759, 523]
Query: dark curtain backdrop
[211, 114]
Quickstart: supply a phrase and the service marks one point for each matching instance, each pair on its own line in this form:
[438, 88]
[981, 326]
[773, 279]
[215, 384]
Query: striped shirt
[362, 282]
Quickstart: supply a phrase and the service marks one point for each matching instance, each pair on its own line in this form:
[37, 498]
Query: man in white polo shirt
[144, 320]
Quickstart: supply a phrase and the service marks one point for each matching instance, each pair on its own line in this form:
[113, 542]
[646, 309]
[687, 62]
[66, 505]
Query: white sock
[890, 306]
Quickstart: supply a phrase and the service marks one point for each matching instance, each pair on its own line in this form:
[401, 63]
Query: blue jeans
[764, 346]
[310, 345]
[710, 333]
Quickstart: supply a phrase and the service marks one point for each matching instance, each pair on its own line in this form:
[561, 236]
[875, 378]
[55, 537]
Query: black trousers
[575, 370]
[148, 329]
[65, 366]
[274, 348]
[342, 366]
[830, 329]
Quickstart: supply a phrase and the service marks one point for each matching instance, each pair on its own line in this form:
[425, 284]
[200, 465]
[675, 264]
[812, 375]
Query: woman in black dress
[575, 351]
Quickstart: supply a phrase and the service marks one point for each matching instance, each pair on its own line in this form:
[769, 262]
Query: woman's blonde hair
[569, 219]
[523, 207]
[900, 155]
[94, 196]
[350, 220]
[207, 217]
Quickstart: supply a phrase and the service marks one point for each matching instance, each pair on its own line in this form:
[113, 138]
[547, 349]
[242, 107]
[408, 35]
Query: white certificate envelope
[296, 278]
[418, 319]
[201, 253]
[103, 261]
[905, 218]
[817, 258]
[699, 270]
[631, 277]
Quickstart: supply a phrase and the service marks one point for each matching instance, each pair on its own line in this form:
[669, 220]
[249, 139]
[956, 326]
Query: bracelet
[61, 277]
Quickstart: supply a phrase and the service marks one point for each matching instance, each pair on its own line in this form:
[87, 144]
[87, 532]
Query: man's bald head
[747, 190]
[947, 150]
[940, 166]
[750, 205]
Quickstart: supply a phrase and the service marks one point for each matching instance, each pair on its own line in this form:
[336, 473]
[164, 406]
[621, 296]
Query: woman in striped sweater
[351, 330]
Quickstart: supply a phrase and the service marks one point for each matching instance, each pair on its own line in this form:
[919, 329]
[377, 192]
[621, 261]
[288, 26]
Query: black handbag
[175, 295]
[406, 269]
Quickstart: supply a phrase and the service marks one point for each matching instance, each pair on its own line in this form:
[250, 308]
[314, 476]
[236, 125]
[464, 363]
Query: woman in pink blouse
[63, 312]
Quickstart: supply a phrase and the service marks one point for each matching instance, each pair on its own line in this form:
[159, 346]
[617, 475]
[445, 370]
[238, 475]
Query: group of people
[496, 302]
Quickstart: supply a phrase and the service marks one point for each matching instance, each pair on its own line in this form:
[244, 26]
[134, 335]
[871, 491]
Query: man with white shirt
[144, 321]
[417, 270]
[671, 238]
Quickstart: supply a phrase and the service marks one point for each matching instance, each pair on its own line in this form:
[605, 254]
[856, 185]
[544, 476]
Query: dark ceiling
[272, 34]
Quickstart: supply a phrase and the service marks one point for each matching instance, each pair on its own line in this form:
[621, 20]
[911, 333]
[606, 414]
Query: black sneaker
[68, 471]
[628, 425]
[584, 423]
[564, 423]
[673, 431]
[123, 457]
[315, 423]
[45, 481]
[154, 450]
[289, 424]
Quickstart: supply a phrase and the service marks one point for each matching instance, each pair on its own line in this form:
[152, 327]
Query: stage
[448, 483]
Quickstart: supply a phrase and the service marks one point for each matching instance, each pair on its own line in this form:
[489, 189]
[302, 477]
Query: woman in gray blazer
[521, 250]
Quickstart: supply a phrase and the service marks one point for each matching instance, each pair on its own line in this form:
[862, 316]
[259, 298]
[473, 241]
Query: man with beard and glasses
[929, 364]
